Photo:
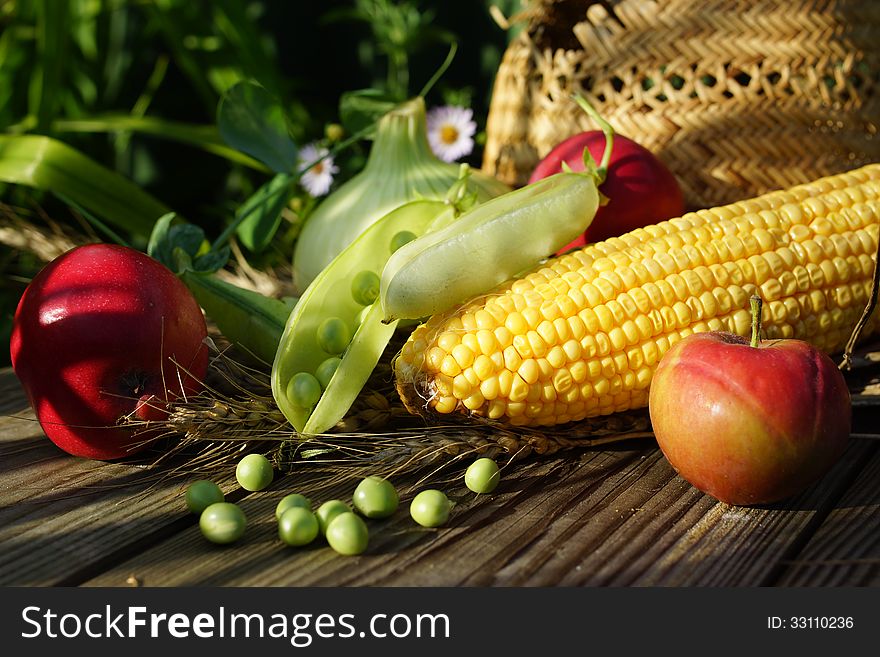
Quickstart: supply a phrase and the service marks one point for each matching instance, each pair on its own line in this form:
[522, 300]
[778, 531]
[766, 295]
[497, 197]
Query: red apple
[640, 189]
[749, 424]
[103, 332]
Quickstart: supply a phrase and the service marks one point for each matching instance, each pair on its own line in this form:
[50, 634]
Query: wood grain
[63, 518]
[613, 516]
[845, 549]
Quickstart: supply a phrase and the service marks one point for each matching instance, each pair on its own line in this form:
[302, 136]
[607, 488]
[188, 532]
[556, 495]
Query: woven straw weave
[737, 97]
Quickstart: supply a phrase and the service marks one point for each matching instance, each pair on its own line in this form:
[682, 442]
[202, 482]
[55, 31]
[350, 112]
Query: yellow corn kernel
[557, 357]
[512, 358]
[519, 389]
[445, 405]
[474, 402]
[516, 323]
[447, 340]
[461, 386]
[562, 381]
[463, 356]
[528, 371]
[497, 409]
[490, 388]
[449, 367]
[483, 367]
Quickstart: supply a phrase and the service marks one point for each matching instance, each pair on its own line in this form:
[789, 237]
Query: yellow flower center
[318, 168]
[449, 134]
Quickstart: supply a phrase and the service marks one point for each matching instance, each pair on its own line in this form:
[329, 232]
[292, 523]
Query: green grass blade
[52, 41]
[233, 20]
[164, 14]
[51, 165]
[205, 137]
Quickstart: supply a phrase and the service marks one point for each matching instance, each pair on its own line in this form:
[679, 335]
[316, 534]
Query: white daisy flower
[319, 177]
[451, 132]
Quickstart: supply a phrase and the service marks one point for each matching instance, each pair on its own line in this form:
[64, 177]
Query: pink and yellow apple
[749, 424]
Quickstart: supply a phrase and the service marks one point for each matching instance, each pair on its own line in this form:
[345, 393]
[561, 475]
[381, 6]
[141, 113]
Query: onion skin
[400, 168]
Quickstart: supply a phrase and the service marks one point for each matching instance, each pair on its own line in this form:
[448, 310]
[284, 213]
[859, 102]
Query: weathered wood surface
[615, 516]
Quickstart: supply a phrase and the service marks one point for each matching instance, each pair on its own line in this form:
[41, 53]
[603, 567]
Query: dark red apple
[749, 424]
[640, 188]
[103, 332]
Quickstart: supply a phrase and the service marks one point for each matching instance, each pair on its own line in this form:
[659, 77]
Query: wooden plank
[611, 517]
[845, 550]
[460, 553]
[675, 536]
[63, 518]
[603, 517]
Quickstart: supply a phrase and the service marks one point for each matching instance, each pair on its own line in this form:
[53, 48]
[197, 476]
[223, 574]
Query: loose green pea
[347, 534]
[482, 476]
[254, 472]
[365, 287]
[375, 497]
[201, 494]
[304, 389]
[326, 370]
[298, 526]
[430, 508]
[401, 238]
[222, 523]
[328, 511]
[291, 501]
[333, 335]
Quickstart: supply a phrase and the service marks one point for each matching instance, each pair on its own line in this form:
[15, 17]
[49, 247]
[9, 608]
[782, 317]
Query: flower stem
[756, 304]
[453, 47]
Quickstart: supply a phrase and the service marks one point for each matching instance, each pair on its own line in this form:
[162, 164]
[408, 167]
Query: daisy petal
[318, 179]
[450, 132]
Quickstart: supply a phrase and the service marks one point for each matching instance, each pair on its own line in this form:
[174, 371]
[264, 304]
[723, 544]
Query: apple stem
[756, 304]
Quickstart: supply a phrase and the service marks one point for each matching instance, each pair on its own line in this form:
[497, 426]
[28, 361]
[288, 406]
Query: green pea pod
[487, 245]
[244, 317]
[330, 315]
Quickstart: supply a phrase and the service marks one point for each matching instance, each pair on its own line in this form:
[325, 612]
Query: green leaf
[253, 121]
[180, 260]
[211, 261]
[181, 247]
[51, 165]
[187, 237]
[158, 244]
[359, 109]
[262, 212]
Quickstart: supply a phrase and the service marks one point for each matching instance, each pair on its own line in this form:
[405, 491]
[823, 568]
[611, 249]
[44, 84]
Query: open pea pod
[334, 337]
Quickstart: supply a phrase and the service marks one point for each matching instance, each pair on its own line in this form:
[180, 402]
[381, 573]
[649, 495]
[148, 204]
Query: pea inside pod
[328, 321]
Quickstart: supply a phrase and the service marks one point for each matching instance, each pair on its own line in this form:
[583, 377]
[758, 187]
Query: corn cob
[581, 335]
